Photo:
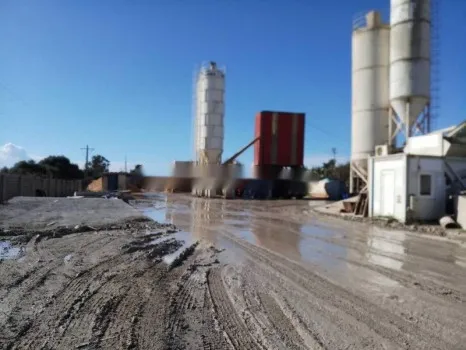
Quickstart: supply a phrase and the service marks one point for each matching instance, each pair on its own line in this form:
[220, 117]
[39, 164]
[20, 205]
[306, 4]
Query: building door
[112, 182]
[387, 191]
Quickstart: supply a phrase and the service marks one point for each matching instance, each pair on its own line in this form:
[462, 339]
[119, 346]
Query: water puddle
[240, 224]
[157, 214]
[247, 235]
[159, 240]
[9, 251]
[371, 281]
[317, 237]
[386, 250]
[181, 236]
[155, 196]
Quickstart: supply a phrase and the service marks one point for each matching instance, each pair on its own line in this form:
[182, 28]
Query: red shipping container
[281, 140]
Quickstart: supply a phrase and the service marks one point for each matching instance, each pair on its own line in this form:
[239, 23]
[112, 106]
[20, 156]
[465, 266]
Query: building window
[425, 185]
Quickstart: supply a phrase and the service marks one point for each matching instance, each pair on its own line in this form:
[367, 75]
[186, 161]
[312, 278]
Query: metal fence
[12, 185]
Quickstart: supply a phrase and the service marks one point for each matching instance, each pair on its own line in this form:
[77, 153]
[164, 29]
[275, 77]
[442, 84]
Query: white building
[415, 184]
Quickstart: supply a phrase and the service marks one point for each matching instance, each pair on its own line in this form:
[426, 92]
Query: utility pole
[334, 152]
[334, 170]
[86, 165]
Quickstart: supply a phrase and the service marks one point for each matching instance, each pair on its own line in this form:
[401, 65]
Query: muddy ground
[238, 275]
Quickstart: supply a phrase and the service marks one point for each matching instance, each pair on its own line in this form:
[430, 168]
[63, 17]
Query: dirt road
[240, 275]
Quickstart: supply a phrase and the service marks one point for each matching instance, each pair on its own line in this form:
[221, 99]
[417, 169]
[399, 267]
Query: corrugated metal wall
[12, 185]
[281, 140]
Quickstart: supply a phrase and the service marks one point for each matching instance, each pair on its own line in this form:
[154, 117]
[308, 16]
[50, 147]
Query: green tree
[331, 170]
[98, 166]
[137, 170]
[342, 172]
[137, 176]
[27, 167]
[60, 167]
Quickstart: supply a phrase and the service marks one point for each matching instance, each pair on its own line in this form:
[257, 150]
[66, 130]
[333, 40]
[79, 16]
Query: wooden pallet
[361, 208]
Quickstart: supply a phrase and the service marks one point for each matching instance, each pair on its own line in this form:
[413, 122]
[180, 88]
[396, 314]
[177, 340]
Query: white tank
[370, 97]
[210, 111]
[409, 58]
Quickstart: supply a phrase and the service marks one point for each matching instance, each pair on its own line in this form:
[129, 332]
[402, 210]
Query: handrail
[359, 21]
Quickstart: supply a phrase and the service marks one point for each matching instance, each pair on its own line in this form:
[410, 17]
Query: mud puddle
[303, 244]
[156, 214]
[186, 240]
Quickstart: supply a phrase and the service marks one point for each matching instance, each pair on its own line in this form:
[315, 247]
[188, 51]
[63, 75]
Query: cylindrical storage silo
[370, 97]
[210, 110]
[409, 58]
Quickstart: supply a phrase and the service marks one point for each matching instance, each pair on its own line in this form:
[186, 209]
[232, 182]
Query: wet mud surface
[233, 275]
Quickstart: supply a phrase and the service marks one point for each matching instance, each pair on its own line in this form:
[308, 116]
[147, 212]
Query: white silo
[370, 96]
[210, 111]
[409, 61]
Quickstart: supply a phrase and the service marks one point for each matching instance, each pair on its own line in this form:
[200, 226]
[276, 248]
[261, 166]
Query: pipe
[448, 222]
[237, 154]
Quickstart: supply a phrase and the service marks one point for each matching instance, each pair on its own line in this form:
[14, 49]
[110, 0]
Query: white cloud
[319, 159]
[11, 154]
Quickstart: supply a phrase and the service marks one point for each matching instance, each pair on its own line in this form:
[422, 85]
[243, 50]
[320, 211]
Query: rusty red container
[281, 140]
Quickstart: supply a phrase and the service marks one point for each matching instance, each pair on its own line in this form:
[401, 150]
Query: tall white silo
[409, 62]
[370, 97]
[210, 111]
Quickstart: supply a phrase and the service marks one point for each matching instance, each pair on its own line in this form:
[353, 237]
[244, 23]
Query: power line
[325, 132]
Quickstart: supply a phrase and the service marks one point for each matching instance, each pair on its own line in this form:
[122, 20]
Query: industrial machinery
[410, 81]
[281, 143]
[370, 97]
[209, 114]
[281, 139]
[278, 156]
[391, 83]
[219, 179]
[278, 145]
[241, 151]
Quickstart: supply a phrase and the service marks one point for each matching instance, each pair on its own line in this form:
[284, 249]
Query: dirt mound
[96, 185]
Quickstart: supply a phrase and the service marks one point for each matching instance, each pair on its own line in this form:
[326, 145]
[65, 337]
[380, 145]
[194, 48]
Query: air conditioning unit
[382, 150]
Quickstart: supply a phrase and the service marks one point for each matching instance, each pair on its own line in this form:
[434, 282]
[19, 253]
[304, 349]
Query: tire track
[408, 280]
[233, 325]
[247, 304]
[67, 303]
[386, 324]
[314, 319]
[284, 327]
[311, 338]
[180, 302]
[190, 322]
[103, 318]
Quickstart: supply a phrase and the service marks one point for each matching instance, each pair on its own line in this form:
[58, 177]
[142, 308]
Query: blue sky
[117, 75]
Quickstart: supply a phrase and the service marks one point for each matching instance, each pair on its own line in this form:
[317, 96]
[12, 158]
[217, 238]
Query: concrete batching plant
[370, 97]
[401, 169]
[209, 114]
[390, 82]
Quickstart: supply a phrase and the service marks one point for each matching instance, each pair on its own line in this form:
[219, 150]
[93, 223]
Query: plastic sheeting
[327, 189]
